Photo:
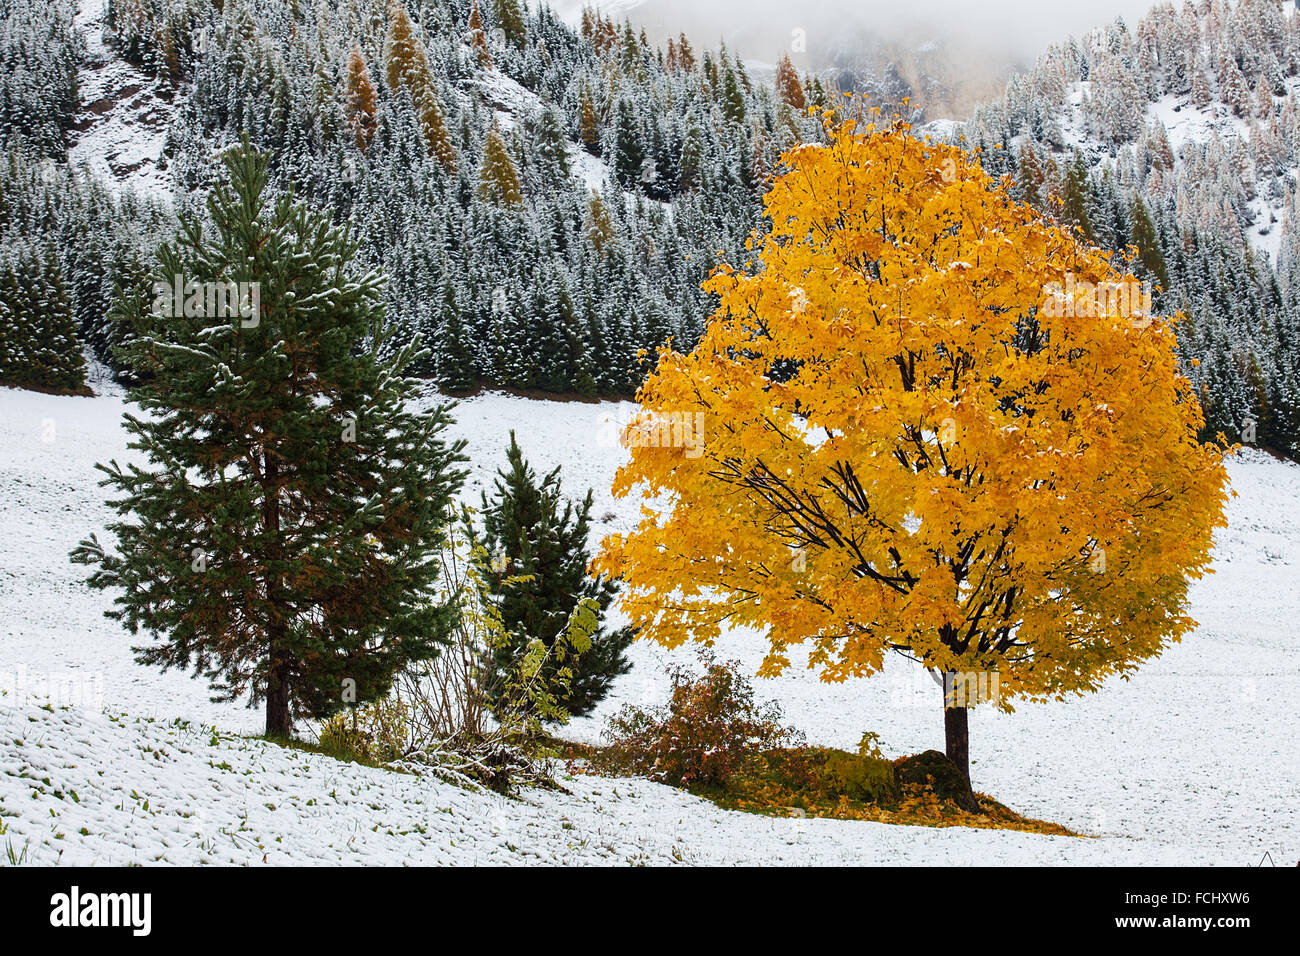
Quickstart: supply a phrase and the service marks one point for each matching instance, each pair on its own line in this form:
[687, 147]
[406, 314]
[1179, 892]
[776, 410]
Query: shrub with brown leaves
[710, 729]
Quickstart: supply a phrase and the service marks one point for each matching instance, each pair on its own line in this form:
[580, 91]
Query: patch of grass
[12, 856]
[777, 784]
[338, 751]
[795, 782]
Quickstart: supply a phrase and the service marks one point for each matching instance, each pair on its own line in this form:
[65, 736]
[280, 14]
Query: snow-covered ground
[1191, 762]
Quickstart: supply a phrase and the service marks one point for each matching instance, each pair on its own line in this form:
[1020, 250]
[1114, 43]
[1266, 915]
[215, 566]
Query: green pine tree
[282, 538]
[733, 100]
[1074, 197]
[691, 167]
[39, 346]
[510, 18]
[552, 145]
[529, 530]
[130, 298]
[453, 361]
[1148, 244]
[629, 151]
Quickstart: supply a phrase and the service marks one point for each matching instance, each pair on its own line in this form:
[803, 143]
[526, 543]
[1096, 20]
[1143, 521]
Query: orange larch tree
[478, 37]
[787, 84]
[359, 99]
[408, 67]
[923, 421]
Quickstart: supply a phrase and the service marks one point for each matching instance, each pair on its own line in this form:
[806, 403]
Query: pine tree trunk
[957, 738]
[278, 725]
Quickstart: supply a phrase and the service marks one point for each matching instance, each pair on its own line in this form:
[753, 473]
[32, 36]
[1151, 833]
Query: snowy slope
[511, 103]
[124, 115]
[169, 792]
[1184, 123]
[1191, 762]
[1222, 132]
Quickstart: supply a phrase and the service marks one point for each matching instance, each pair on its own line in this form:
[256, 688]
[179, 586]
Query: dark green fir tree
[453, 361]
[629, 151]
[551, 146]
[530, 531]
[39, 346]
[1074, 197]
[1148, 244]
[510, 20]
[281, 532]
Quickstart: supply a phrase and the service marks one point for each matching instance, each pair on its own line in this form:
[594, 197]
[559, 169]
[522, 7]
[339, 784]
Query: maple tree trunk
[957, 738]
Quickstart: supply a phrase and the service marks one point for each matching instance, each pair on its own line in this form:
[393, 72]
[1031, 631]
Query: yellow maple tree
[922, 420]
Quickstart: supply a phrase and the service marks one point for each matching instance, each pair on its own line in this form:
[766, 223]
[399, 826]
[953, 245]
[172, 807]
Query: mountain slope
[635, 171]
[1181, 138]
[122, 124]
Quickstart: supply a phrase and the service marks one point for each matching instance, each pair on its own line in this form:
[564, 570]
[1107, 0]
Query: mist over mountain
[950, 56]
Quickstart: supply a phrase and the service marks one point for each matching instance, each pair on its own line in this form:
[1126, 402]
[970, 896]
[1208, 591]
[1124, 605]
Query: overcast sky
[1023, 27]
[1022, 24]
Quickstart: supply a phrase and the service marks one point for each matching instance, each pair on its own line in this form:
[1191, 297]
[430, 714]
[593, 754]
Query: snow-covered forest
[1179, 136]
[544, 200]
[551, 204]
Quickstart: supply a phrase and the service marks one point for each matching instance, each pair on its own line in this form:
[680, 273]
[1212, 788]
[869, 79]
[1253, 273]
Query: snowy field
[1194, 761]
